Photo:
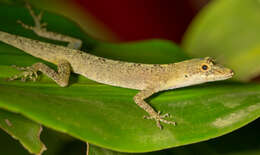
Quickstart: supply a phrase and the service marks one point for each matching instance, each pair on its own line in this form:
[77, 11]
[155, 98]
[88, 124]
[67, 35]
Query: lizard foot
[27, 73]
[160, 118]
[37, 20]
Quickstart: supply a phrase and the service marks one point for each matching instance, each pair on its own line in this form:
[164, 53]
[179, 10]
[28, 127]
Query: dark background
[144, 19]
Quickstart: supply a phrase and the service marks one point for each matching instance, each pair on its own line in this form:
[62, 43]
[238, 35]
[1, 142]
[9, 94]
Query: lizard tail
[42, 50]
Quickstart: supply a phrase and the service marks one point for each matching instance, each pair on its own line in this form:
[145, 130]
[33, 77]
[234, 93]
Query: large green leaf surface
[107, 116]
[244, 141]
[22, 129]
[229, 31]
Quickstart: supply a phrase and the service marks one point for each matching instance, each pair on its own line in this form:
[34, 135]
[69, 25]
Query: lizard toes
[28, 73]
[160, 118]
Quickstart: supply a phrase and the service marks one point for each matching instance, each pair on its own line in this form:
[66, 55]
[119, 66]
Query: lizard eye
[204, 67]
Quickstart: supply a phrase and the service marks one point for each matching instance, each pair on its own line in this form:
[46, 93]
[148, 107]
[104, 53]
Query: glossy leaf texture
[229, 31]
[218, 146]
[107, 116]
[24, 130]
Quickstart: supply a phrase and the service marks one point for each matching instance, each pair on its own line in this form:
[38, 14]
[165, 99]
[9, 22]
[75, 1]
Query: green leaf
[244, 141]
[229, 31]
[61, 144]
[94, 150]
[150, 51]
[24, 130]
[107, 116]
[11, 146]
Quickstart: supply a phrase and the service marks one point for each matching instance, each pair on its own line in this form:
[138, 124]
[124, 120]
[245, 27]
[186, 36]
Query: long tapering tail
[42, 50]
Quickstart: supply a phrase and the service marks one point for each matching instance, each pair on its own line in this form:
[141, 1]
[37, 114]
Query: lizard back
[107, 71]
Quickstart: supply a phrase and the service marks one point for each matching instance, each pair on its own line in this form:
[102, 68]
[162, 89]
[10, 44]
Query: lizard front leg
[61, 77]
[139, 100]
[40, 30]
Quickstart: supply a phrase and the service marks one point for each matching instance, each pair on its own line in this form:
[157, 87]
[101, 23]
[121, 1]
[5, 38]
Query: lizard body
[148, 78]
[107, 71]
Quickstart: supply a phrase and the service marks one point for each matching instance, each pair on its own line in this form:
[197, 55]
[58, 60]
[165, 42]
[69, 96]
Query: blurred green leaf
[62, 144]
[94, 150]
[9, 146]
[24, 130]
[229, 31]
[149, 51]
[56, 142]
[107, 116]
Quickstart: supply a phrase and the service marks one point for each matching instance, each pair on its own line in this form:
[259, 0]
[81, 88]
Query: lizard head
[206, 70]
[212, 71]
[196, 71]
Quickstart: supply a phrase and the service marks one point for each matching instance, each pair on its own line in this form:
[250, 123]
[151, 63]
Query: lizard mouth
[231, 74]
[224, 77]
[228, 76]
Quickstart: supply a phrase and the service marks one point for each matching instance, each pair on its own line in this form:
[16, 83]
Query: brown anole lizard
[148, 78]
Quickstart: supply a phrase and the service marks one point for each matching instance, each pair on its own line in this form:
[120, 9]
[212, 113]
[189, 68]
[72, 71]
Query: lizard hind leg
[139, 100]
[40, 30]
[61, 77]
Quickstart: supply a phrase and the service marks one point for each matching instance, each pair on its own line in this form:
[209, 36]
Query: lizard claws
[37, 20]
[160, 118]
[27, 73]
[25, 25]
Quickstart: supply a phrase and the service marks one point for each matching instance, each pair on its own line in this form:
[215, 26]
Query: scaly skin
[148, 78]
